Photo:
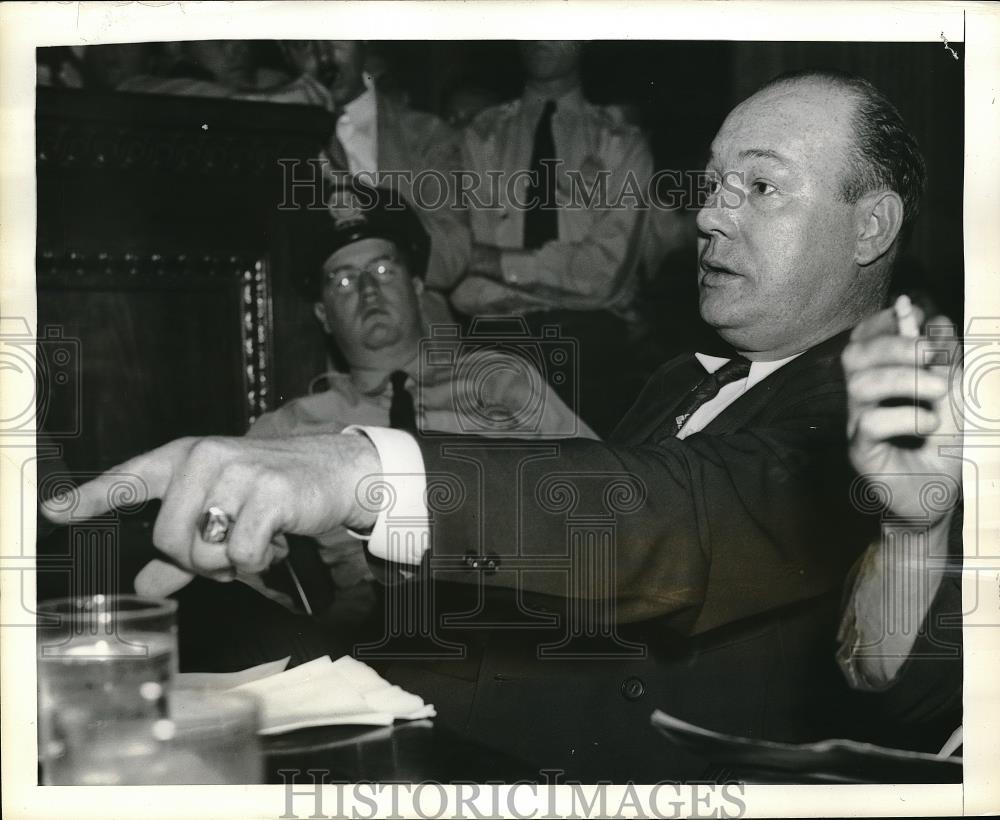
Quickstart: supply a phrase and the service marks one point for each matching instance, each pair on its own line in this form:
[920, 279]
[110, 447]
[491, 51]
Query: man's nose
[715, 216]
[367, 284]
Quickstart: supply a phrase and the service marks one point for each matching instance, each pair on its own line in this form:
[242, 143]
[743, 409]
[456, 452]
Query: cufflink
[488, 564]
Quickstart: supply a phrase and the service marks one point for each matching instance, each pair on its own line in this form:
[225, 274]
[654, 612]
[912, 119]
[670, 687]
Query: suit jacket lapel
[822, 357]
[662, 394]
[671, 383]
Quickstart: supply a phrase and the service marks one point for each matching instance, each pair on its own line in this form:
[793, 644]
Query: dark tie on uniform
[541, 224]
[308, 578]
[707, 389]
[402, 414]
[335, 148]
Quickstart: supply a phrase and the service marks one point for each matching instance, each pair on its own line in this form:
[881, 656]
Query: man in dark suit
[696, 560]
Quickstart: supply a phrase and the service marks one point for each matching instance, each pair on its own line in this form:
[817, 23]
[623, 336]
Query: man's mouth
[373, 310]
[714, 272]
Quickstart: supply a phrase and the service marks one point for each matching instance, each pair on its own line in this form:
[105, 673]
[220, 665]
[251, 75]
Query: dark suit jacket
[701, 576]
[751, 513]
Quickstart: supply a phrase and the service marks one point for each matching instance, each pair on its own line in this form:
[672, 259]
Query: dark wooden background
[161, 250]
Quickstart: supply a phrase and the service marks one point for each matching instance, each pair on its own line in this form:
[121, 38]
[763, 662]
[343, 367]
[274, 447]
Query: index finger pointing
[137, 480]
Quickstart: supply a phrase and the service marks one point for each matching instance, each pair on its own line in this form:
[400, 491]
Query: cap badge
[346, 210]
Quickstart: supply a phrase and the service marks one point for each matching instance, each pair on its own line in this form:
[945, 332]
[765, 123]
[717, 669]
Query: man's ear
[418, 285]
[319, 311]
[879, 217]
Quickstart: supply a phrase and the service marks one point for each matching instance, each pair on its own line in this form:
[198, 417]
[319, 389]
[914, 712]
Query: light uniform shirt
[594, 263]
[403, 535]
[483, 393]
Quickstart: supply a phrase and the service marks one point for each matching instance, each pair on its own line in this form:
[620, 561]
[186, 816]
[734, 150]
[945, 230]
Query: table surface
[418, 751]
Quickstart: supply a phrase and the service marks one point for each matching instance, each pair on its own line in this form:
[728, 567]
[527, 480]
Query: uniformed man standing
[556, 217]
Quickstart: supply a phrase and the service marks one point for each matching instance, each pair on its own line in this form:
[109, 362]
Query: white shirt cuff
[401, 533]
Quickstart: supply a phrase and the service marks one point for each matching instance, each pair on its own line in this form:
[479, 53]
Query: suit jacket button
[633, 688]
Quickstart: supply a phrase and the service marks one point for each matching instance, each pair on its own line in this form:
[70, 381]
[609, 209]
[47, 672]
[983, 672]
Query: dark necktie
[335, 148]
[541, 224]
[402, 414]
[708, 388]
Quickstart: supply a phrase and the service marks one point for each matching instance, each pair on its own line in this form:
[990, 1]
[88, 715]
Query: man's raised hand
[903, 410]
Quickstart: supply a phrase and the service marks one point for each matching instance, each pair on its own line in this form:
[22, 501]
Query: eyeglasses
[345, 278]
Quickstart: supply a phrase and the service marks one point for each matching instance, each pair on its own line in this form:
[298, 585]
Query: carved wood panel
[162, 254]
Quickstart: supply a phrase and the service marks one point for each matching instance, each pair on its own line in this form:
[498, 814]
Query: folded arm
[592, 273]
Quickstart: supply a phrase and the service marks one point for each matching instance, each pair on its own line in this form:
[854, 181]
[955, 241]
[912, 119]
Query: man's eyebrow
[764, 153]
[382, 257]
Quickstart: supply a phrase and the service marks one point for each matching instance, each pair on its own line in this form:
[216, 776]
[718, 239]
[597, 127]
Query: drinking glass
[102, 659]
[207, 738]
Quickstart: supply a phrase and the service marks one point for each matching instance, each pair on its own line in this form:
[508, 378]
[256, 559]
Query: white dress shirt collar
[729, 393]
[375, 381]
[571, 100]
[758, 370]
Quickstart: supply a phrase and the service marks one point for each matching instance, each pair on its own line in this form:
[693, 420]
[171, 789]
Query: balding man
[702, 549]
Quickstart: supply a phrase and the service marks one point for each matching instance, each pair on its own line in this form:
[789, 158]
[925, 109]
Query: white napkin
[229, 680]
[319, 693]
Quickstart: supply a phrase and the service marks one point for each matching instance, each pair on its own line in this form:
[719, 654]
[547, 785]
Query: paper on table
[378, 693]
[319, 693]
[229, 680]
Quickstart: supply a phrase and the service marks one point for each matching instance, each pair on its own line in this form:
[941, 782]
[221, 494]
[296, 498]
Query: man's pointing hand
[303, 484]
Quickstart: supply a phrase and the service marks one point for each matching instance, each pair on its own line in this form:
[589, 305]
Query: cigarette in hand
[906, 320]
